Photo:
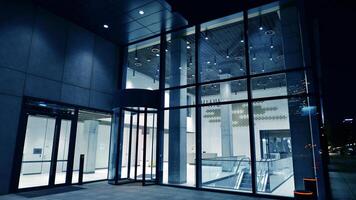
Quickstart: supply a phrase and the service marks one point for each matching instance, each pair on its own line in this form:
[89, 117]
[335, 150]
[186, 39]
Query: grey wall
[45, 56]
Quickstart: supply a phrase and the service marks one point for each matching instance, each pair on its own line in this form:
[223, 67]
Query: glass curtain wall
[93, 141]
[241, 102]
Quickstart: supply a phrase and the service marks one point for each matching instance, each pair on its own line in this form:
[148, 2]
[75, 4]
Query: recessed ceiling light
[106, 26]
[141, 12]
[261, 28]
[188, 47]
[157, 54]
[242, 41]
[206, 38]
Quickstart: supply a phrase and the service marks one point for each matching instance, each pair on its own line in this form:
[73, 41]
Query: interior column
[91, 128]
[177, 157]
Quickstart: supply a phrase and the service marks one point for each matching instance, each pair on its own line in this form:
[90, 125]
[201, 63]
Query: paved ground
[342, 172]
[104, 191]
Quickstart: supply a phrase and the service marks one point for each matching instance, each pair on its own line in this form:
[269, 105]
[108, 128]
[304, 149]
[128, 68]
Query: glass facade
[237, 112]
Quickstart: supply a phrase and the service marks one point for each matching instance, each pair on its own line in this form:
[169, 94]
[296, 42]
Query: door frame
[55, 146]
[28, 109]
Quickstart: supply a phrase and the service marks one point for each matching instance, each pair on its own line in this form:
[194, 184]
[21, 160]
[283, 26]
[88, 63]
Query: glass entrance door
[45, 152]
[138, 158]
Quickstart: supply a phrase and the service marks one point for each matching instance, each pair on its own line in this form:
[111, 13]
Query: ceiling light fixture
[141, 12]
[157, 54]
[227, 53]
[206, 34]
[208, 62]
[106, 26]
[260, 20]
[188, 47]
[136, 57]
[272, 46]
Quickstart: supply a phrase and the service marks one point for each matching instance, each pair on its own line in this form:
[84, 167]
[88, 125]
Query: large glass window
[226, 147]
[274, 38]
[179, 147]
[282, 145]
[143, 65]
[222, 53]
[281, 84]
[223, 91]
[180, 58]
[93, 141]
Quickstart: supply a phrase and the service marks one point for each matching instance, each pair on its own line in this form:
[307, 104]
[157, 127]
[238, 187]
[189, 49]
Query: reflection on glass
[179, 147]
[143, 65]
[180, 58]
[37, 152]
[92, 140]
[279, 85]
[223, 91]
[226, 147]
[274, 38]
[222, 53]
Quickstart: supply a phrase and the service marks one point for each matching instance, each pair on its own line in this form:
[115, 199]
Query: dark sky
[338, 58]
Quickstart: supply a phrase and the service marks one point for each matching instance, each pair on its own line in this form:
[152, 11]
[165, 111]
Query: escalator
[246, 181]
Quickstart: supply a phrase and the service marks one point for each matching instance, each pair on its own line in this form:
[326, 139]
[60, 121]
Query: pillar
[177, 157]
[91, 129]
[226, 123]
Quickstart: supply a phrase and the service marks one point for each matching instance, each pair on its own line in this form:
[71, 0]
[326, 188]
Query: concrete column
[226, 123]
[299, 125]
[177, 158]
[91, 129]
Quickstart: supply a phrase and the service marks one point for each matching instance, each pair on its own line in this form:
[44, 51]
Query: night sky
[338, 57]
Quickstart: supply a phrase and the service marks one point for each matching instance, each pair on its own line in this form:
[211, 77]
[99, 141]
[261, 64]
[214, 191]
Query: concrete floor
[342, 173]
[104, 191]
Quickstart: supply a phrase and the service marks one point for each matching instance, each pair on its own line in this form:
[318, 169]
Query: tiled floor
[104, 191]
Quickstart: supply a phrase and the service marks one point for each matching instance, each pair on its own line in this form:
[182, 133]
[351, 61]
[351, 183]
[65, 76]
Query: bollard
[81, 169]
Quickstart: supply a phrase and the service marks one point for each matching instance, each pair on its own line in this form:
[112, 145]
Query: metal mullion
[254, 75]
[129, 153]
[179, 107]
[180, 86]
[71, 148]
[198, 146]
[137, 137]
[160, 112]
[55, 146]
[144, 147]
[249, 97]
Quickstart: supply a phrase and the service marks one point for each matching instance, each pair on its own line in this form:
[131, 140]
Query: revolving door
[133, 148]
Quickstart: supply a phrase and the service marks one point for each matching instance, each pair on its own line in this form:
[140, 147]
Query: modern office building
[226, 102]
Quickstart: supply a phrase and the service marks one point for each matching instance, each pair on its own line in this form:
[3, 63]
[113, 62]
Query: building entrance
[139, 145]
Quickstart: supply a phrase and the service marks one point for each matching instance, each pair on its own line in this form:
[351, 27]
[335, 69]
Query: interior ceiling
[223, 40]
[125, 22]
